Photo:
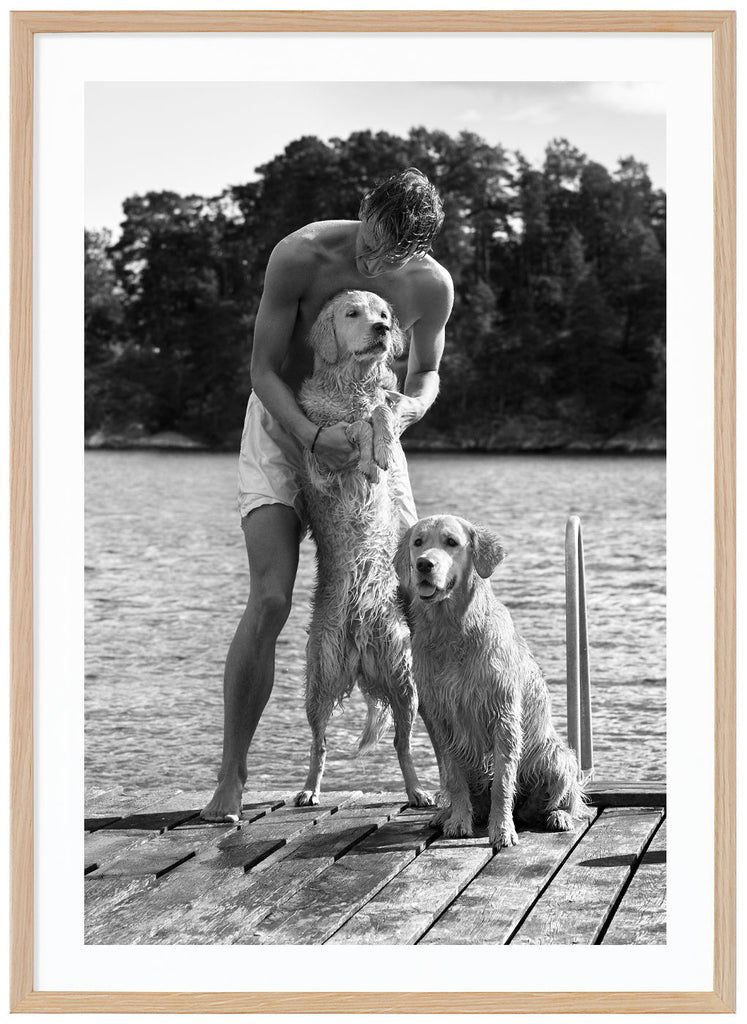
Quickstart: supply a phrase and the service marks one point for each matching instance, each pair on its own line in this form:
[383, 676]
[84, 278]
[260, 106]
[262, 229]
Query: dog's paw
[559, 821]
[442, 815]
[502, 836]
[384, 435]
[306, 798]
[421, 798]
[458, 828]
[360, 435]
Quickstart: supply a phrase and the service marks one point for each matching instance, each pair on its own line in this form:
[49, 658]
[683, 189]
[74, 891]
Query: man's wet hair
[408, 213]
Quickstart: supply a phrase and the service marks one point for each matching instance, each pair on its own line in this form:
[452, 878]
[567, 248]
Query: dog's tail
[378, 720]
[551, 782]
[566, 788]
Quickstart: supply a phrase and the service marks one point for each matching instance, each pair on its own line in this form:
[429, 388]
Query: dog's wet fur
[358, 633]
[480, 690]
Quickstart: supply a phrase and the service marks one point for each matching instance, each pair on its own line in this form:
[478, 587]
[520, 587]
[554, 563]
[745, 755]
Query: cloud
[628, 97]
[471, 115]
[543, 112]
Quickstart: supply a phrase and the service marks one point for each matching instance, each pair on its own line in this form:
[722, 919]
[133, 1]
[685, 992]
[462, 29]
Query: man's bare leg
[272, 538]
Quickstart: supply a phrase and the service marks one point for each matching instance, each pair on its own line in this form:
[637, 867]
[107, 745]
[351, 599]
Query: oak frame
[721, 25]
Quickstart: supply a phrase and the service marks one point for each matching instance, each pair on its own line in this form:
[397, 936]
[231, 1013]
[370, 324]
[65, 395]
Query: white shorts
[270, 469]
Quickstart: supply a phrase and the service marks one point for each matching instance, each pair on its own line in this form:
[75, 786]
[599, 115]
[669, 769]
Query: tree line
[558, 328]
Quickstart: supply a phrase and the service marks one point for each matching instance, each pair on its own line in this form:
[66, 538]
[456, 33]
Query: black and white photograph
[375, 513]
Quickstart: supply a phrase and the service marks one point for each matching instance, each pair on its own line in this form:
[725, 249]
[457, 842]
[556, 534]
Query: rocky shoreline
[642, 443]
[502, 442]
[167, 440]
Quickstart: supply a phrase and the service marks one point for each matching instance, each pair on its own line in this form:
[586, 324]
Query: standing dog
[481, 692]
[358, 632]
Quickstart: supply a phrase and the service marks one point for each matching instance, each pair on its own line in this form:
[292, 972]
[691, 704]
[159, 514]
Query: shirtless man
[385, 251]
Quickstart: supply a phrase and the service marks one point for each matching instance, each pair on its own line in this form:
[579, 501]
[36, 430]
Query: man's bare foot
[226, 802]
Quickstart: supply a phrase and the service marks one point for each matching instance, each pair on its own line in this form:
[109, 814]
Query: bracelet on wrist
[316, 438]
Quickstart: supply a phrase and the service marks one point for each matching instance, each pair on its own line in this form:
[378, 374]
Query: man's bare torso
[325, 253]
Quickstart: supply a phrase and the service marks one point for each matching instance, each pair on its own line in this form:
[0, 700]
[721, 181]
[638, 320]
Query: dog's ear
[398, 336]
[322, 338]
[487, 551]
[402, 559]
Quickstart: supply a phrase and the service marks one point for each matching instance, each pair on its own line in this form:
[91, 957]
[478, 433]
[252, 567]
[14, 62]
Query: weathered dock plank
[157, 821]
[103, 903]
[227, 914]
[105, 847]
[104, 808]
[575, 907]
[269, 833]
[102, 897]
[112, 849]
[603, 793]
[140, 819]
[166, 811]
[255, 811]
[229, 918]
[169, 849]
[99, 801]
[492, 905]
[167, 798]
[641, 918]
[102, 795]
[96, 822]
[404, 909]
[390, 803]
[365, 869]
[322, 906]
[123, 803]
[220, 856]
[136, 911]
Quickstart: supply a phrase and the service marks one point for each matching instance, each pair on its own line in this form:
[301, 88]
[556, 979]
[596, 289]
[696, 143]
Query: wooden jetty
[363, 868]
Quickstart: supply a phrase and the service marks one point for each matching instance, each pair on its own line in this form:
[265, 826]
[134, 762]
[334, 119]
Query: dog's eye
[417, 543]
[352, 312]
[452, 543]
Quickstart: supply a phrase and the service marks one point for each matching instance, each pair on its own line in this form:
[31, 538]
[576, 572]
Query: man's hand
[406, 410]
[333, 449]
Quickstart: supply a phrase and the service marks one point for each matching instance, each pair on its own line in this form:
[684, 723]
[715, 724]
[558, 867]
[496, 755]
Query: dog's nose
[424, 564]
[381, 328]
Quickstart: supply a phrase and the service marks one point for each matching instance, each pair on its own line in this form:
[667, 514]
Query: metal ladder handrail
[578, 687]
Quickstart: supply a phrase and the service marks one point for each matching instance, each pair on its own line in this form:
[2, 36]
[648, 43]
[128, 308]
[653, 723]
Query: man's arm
[273, 329]
[276, 319]
[426, 349]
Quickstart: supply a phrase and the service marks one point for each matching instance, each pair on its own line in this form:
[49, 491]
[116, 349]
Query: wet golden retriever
[480, 690]
[358, 633]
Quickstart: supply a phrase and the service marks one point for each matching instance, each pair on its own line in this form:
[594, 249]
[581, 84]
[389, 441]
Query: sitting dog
[481, 692]
[358, 632]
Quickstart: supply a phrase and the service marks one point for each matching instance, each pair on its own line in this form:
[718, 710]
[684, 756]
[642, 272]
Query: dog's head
[357, 330]
[440, 555]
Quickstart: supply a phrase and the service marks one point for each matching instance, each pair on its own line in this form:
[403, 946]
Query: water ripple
[166, 583]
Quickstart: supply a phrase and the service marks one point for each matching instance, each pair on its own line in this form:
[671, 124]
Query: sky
[201, 137]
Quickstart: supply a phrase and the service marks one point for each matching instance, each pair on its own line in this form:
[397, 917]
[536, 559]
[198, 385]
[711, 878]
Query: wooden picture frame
[24, 26]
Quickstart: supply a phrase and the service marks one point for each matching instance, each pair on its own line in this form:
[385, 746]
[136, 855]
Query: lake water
[167, 579]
